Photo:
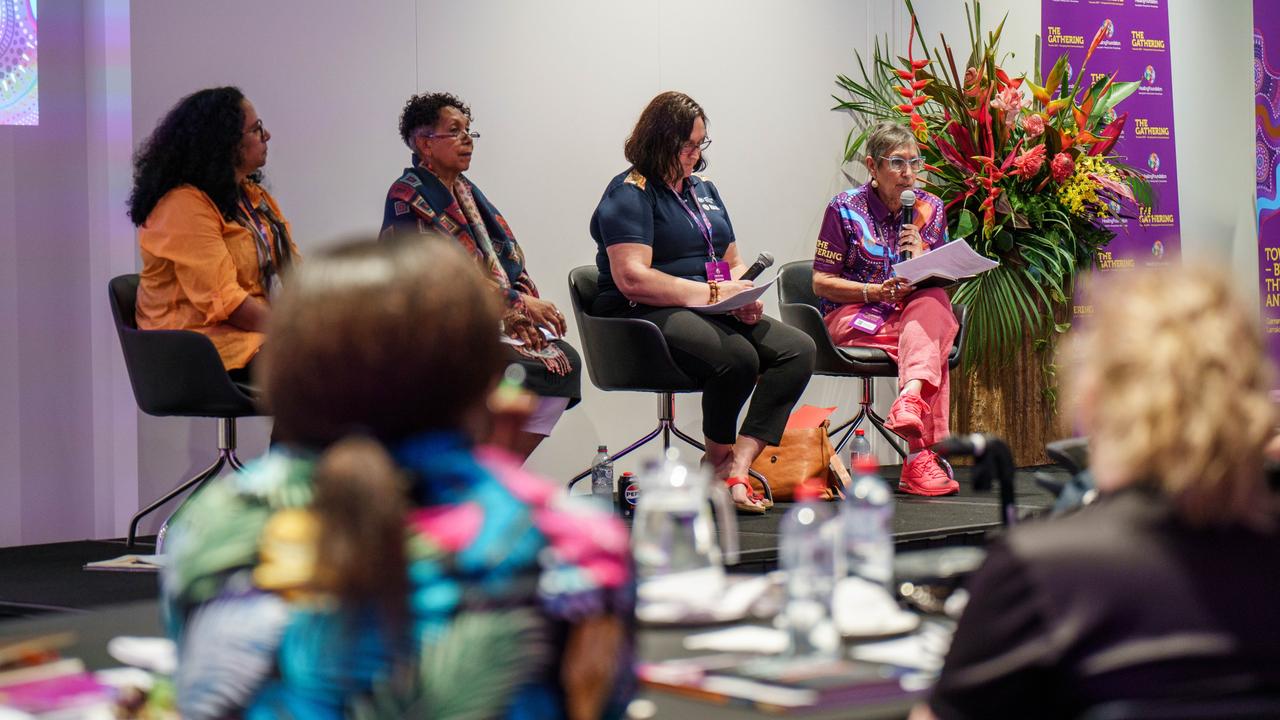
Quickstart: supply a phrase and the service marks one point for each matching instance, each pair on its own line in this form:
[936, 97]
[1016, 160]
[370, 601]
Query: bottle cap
[602, 448]
[811, 489]
[860, 432]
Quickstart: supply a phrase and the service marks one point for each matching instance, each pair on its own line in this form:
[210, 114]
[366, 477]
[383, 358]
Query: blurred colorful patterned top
[858, 239]
[501, 564]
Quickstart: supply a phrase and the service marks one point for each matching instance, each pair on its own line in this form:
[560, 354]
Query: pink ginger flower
[1009, 101]
[1029, 163]
[1061, 167]
[1033, 125]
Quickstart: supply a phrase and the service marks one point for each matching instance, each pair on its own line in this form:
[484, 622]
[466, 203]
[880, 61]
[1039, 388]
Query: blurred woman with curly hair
[213, 241]
[1158, 591]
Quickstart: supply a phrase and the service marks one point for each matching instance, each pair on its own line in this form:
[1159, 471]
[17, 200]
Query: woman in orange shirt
[213, 241]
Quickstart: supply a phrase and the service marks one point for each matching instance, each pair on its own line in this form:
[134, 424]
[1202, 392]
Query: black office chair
[631, 354]
[177, 373]
[799, 307]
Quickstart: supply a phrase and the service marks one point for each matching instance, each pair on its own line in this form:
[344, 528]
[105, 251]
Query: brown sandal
[746, 507]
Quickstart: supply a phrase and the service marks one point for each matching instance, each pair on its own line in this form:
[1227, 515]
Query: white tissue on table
[743, 638]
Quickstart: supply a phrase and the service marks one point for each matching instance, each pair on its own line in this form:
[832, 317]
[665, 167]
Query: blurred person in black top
[1164, 588]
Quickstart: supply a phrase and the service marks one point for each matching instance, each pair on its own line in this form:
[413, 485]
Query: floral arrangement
[1023, 166]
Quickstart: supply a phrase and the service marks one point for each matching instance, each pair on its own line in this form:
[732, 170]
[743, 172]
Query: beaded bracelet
[865, 299]
[715, 292]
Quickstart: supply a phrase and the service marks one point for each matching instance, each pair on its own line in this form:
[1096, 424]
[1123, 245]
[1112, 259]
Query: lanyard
[700, 220]
[890, 249]
[266, 263]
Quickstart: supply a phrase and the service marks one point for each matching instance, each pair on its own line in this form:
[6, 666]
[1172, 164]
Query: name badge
[718, 271]
[871, 317]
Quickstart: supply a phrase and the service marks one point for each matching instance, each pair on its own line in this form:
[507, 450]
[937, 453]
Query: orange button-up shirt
[197, 268]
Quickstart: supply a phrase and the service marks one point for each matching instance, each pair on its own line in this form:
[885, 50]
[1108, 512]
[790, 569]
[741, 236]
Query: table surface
[94, 629]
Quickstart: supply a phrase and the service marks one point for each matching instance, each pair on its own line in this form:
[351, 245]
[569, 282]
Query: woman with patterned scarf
[433, 197]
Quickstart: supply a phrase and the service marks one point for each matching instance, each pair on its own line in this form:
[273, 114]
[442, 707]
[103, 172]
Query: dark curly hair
[663, 128]
[422, 111]
[197, 143]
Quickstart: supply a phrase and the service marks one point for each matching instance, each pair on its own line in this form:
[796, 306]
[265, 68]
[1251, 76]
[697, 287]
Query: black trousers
[731, 359]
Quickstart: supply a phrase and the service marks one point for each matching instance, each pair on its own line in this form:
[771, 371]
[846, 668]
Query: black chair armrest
[179, 373]
[630, 354]
[808, 320]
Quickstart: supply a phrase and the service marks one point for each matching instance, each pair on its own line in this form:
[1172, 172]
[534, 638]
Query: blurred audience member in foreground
[1161, 590]
[376, 563]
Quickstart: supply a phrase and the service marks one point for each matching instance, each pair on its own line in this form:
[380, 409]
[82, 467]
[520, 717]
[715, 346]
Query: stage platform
[40, 579]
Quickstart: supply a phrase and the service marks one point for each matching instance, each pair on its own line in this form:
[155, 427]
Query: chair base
[226, 456]
[666, 427]
[866, 412]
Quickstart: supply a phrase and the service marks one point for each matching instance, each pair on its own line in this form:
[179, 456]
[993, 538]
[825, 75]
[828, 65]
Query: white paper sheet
[742, 299]
[951, 262]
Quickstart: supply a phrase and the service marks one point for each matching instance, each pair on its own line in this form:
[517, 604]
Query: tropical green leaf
[1114, 96]
[476, 666]
[966, 224]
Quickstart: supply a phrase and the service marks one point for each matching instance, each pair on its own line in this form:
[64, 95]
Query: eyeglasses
[257, 127]
[452, 135]
[689, 147]
[899, 164]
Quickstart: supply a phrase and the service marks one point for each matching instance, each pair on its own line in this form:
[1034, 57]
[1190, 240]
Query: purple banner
[1135, 48]
[1266, 110]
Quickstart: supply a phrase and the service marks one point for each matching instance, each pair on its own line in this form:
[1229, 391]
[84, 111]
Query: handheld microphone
[763, 261]
[908, 199]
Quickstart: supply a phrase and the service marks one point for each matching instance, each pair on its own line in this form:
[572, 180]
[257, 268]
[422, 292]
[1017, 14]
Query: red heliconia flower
[906, 108]
[919, 127]
[1097, 38]
[905, 74]
[1061, 167]
[919, 85]
[1006, 81]
[905, 91]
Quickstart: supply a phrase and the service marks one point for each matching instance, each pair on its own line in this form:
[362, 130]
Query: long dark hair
[373, 343]
[663, 128]
[197, 143]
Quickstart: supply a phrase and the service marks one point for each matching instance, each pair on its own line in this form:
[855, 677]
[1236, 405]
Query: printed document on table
[742, 299]
[943, 266]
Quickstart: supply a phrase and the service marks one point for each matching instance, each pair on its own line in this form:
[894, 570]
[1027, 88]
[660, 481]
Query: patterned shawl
[419, 204]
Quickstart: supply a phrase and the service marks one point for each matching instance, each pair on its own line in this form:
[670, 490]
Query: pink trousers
[918, 335]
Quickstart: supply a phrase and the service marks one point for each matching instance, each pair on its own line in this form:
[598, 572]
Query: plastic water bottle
[602, 475]
[859, 448]
[809, 552]
[866, 517]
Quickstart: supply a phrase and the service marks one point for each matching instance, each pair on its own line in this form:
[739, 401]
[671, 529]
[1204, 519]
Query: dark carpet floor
[37, 579]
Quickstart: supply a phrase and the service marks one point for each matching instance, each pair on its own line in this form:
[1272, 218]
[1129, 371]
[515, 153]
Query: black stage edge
[38, 579]
[45, 578]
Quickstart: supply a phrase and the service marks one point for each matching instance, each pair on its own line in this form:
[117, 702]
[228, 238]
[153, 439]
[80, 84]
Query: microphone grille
[908, 198]
[766, 258]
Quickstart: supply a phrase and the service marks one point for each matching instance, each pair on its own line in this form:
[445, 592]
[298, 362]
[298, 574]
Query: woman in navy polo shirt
[665, 244]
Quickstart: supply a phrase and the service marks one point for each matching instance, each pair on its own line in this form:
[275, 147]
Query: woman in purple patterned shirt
[864, 305]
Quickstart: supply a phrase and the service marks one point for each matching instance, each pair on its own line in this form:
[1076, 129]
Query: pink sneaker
[924, 476]
[907, 415]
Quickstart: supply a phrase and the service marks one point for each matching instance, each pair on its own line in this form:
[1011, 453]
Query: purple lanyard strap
[699, 219]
